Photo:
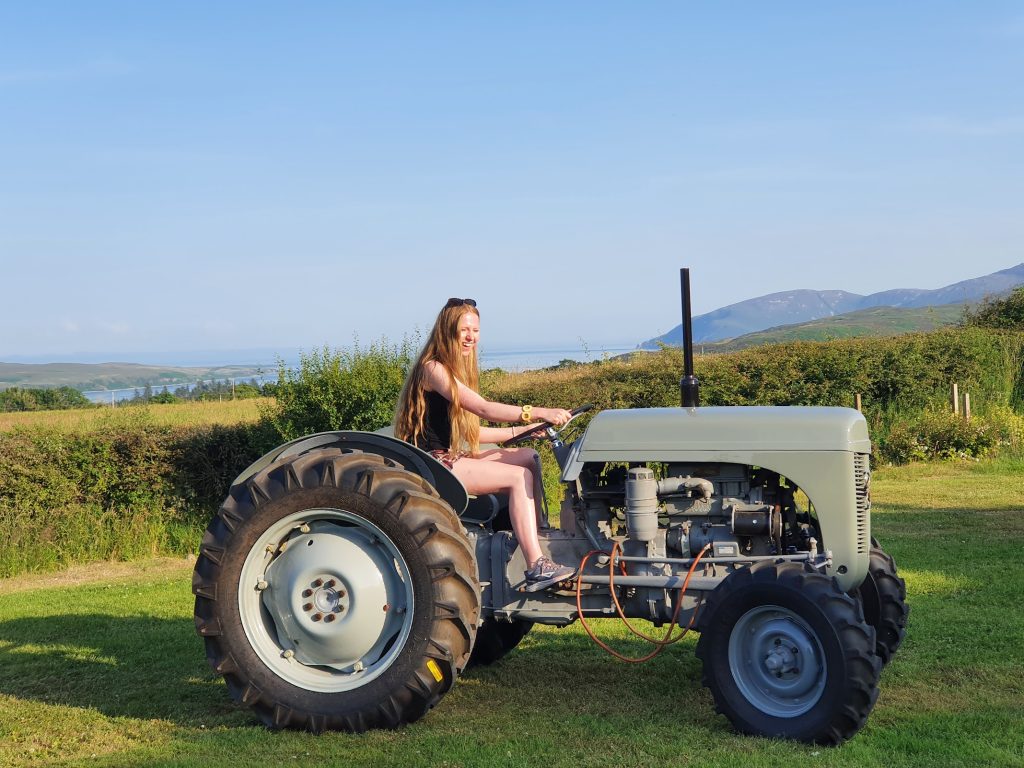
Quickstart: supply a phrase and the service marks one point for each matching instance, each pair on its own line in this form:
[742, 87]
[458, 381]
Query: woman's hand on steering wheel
[534, 431]
[557, 416]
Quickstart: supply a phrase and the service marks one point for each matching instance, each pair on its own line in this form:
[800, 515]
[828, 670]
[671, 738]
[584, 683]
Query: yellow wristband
[527, 414]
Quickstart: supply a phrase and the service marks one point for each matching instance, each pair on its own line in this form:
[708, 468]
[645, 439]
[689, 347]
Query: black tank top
[437, 424]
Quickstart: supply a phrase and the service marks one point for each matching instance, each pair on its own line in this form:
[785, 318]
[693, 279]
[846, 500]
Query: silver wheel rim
[777, 661]
[326, 600]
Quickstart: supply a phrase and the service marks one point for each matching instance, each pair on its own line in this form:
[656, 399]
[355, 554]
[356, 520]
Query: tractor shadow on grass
[563, 671]
[155, 668]
[132, 666]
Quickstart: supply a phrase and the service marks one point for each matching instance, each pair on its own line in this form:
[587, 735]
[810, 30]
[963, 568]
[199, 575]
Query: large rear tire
[883, 595]
[335, 590]
[787, 654]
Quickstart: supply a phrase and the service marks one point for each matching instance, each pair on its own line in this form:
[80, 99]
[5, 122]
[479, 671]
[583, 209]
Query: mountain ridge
[805, 305]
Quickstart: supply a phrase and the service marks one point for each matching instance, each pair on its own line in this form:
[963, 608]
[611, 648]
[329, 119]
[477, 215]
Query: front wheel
[883, 595]
[336, 591]
[787, 654]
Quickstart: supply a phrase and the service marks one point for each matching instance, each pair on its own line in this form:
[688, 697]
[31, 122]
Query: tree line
[203, 391]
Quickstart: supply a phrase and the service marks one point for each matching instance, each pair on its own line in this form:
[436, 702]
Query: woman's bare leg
[489, 474]
[530, 459]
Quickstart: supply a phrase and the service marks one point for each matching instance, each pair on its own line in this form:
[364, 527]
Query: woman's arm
[438, 380]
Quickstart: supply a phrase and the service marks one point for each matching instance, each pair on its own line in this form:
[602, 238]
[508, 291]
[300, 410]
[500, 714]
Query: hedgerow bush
[34, 399]
[939, 435]
[1006, 312]
[332, 389]
[127, 489]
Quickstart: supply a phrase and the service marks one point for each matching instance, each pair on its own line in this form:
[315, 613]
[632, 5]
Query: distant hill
[876, 321]
[93, 376]
[801, 306]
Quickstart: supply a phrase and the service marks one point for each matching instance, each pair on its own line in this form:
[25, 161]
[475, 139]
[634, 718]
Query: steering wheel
[535, 432]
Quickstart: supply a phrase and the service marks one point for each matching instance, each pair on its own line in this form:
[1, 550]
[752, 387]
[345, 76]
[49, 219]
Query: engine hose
[660, 644]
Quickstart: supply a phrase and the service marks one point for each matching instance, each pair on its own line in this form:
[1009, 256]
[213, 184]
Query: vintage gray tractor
[348, 580]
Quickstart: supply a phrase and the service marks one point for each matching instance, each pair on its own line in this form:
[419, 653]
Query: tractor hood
[682, 434]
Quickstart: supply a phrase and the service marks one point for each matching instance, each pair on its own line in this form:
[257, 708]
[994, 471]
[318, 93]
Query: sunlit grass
[990, 484]
[197, 413]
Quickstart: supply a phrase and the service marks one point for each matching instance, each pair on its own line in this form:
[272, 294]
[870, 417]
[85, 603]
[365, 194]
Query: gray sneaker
[546, 570]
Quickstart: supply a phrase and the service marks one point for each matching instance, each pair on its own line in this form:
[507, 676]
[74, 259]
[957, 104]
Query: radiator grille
[862, 488]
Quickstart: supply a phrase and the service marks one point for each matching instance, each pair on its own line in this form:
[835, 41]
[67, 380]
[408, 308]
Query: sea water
[512, 360]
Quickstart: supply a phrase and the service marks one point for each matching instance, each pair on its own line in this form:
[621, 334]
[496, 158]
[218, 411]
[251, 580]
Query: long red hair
[443, 346]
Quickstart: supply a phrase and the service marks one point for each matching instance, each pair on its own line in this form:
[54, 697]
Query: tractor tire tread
[842, 612]
[417, 507]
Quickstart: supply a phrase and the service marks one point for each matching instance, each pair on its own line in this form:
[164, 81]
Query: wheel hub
[776, 661]
[332, 599]
[327, 599]
[781, 660]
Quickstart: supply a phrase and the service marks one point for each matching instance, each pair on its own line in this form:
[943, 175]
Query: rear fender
[410, 457]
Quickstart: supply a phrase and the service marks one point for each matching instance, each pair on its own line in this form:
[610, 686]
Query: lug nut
[318, 583]
[288, 653]
[307, 593]
[261, 585]
[339, 608]
[329, 617]
[386, 607]
[330, 583]
[317, 616]
[341, 593]
[307, 607]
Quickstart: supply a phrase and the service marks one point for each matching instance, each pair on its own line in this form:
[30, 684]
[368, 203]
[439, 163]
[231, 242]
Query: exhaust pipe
[689, 386]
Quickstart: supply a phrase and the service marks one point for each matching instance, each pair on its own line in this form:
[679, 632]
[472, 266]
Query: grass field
[196, 413]
[101, 666]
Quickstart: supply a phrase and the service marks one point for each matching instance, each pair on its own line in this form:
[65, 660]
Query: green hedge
[129, 490]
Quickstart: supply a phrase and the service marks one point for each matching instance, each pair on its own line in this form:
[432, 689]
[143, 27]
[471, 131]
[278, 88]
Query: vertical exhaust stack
[689, 386]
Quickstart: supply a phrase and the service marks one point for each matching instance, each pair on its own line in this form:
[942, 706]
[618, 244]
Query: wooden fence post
[967, 405]
[856, 401]
[956, 398]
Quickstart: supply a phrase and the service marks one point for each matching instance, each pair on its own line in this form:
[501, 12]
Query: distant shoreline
[119, 380]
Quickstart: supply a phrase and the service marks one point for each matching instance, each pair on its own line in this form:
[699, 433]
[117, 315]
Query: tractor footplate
[537, 586]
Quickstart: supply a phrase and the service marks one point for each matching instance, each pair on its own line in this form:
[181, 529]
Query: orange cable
[675, 614]
[660, 644]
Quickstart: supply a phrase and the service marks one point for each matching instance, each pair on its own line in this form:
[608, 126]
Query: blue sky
[223, 176]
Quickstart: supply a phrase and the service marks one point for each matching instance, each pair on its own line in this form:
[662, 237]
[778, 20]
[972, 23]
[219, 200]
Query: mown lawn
[101, 666]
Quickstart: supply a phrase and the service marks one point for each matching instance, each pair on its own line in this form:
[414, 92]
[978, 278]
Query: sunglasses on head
[460, 302]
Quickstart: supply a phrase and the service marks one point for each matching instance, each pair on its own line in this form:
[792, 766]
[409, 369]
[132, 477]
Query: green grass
[106, 669]
[193, 414]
